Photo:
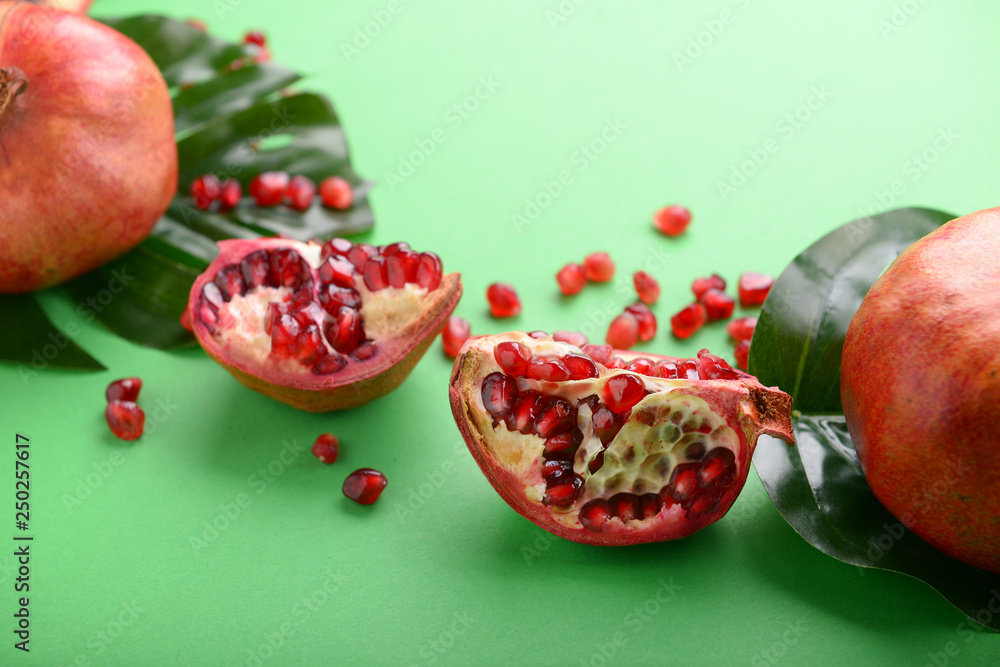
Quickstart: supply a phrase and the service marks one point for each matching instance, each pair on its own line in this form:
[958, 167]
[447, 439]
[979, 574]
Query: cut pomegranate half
[320, 327]
[616, 456]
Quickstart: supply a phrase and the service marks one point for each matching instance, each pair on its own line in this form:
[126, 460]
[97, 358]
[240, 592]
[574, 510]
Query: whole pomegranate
[609, 447]
[920, 386]
[320, 326]
[88, 160]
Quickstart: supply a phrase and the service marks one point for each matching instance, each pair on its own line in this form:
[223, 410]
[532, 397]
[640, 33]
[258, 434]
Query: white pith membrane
[669, 427]
[241, 330]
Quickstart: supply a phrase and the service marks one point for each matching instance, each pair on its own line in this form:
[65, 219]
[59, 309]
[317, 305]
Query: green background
[441, 571]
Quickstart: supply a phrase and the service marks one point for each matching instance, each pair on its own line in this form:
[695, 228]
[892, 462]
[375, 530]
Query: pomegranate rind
[920, 387]
[359, 382]
[89, 158]
[511, 462]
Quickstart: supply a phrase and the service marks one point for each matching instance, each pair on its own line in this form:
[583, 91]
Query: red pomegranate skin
[89, 159]
[920, 386]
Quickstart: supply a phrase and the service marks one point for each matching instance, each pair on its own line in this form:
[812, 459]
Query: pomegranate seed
[672, 220]
[375, 274]
[336, 246]
[326, 448]
[717, 470]
[364, 486]
[393, 248]
[555, 469]
[429, 271]
[512, 356]
[300, 193]
[555, 416]
[205, 190]
[503, 300]
[622, 392]
[336, 193]
[230, 282]
[256, 269]
[268, 189]
[333, 298]
[606, 424]
[538, 335]
[549, 369]
[647, 287]
[684, 482]
[564, 490]
[688, 370]
[649, 505]
[647, 321]
[702, 285]
[288, 269]
[642, 366]
[625, 506]
[580, 367]
[712, 367]
[345, 332]
[616, 363]
[665, 369]
[125, 418]
[498, 393]
[742, 329]
[455, 333]
[309, 346]
[571, 278]
[365, 350]
[742, 354]
[599, 353]
[691, 318]
[411, 263]
[563, 447]
[126, 389]
[524, 412]
[337, 271]
[284, 332]
[623, 332]
[571, 337]
[197, 25]
[753, 288]
[598, 267]
[595, 514]
[255, 37]
[229, 195]
[360, 254]
[395, 270]
[703, 504]
[718, 304]
[331, 363]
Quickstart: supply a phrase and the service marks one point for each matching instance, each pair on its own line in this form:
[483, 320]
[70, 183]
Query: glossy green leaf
[818, 485]
[31, 340]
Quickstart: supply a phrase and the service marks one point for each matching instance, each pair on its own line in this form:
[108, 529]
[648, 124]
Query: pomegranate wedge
[320, 327]
[642, 448]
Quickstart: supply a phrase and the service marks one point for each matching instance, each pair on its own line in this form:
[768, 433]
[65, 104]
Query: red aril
[268, 189]
[619, 457]
[300, 193]
[742, 329]
[718, 304]
[599, 267]
[647, 287]
[688, 321]
[88, 154]
[125, 418]
[205, 190]
[126, 389]
[672, 220]
[455, 333]
[326, 448]
[742, 354]
[503, 300]
[255, 37]
[336, 193]
[230, 194]
[753, 288]
[571, 337]
[364, 486]
[571, 278]
[513, 357]
[702, 285]
[647, 321]
[623, 332]
[279, 315]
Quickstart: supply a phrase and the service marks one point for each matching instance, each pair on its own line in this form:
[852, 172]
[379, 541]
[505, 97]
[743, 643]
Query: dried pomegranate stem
[13, 82]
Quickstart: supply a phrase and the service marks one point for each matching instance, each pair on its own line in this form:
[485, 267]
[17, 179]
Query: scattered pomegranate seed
[647, 321]
[571, 337]
[255, 37]
[623, 332]
[691, 318]
[126, 389]
[125, 418]
[742, 354]
[326, 448]
[268, 189]
[647, 287]
[300, 193]
[742, 329]
[336, 193]
[753, 288]
[621, 392]
[364, 486]
[503, 299]
[263, 55]
[571, 278]
[702, 285]
[599, 267]
[204, 190]
[512, 356]
[197, 25]
[672, 220]
[230, 194]
[455, 333]
[718, 304]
